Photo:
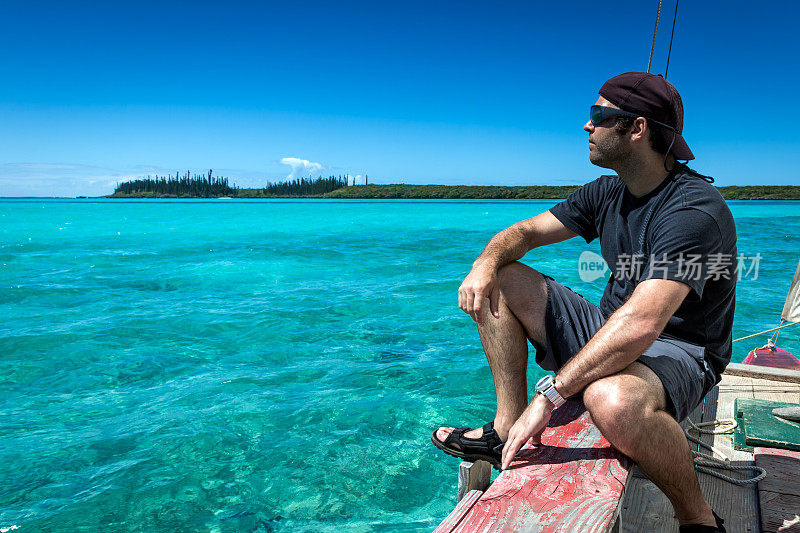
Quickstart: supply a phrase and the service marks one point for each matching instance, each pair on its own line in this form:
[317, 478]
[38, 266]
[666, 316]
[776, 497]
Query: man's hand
[479, 285]
[529, 425]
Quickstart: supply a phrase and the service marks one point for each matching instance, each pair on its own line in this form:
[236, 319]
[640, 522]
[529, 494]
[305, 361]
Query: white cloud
[301, 168]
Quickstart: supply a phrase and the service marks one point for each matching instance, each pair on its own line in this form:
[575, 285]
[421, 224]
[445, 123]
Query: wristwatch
[547, 387]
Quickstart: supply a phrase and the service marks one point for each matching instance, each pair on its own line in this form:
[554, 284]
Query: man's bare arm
[625, 336]
[515, 241]
[507, 246]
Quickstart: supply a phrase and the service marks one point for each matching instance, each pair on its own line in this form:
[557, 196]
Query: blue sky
[415, 92]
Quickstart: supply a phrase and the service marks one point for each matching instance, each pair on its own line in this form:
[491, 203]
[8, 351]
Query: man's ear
[639, 129]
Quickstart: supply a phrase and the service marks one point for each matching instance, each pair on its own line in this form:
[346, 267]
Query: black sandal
[488, 447]
[697, 528]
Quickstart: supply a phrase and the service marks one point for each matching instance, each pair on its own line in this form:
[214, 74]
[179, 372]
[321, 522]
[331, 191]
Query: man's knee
[619, 402]
[521, 286]
[606, 401]
[523, 291]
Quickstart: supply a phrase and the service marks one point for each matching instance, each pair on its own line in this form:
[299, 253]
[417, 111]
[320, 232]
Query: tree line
[455, 192]
[760, 192]
[306, 187]
[534, 192]
[210, 186]
[196, 185]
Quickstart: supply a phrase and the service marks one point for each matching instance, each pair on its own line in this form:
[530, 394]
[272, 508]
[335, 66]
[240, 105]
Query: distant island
[533, 192]
[210, 186]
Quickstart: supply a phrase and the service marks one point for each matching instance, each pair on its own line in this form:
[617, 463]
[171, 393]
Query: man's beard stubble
[609, 150]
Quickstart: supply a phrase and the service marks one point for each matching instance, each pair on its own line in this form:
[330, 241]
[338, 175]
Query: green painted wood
[739, 439]
[759, 427]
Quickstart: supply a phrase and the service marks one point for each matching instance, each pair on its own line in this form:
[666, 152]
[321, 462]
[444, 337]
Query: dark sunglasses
[601, 113]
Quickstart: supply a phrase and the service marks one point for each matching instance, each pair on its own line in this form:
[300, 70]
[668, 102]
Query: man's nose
[588, 127]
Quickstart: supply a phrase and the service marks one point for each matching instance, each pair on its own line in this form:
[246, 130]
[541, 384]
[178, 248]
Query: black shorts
[571, 320]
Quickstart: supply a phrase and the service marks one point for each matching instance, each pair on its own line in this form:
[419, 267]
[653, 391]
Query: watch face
[544, 382]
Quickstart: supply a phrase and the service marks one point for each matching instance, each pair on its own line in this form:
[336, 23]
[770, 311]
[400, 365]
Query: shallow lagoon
[233, 365]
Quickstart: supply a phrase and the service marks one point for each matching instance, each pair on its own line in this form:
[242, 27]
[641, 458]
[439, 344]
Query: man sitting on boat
[661, 336]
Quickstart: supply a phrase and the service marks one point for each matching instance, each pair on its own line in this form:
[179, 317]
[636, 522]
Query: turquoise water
[264, 365]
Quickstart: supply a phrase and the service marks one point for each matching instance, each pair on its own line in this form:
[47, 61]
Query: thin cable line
[766, 331]
[655, 32]
[671, 36]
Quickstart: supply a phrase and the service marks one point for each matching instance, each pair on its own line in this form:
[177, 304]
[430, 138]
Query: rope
[655, 31]
[671, 37]
[722, 431]
[773, 340]
[704, 463]
[765, 331]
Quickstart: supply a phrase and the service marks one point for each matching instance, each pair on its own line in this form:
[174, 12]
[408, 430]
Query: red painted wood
[774, 357]
[461, 510]
[573, 482]
[778, 452]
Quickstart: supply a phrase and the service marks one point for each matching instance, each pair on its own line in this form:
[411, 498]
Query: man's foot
[705, 527]
[481, 444]
[502, 431]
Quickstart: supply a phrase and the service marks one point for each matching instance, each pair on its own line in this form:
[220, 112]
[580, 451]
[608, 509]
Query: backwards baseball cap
[652, 97]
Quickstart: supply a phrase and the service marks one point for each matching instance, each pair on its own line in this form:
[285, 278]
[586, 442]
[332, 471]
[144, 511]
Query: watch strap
[554, 396]
[547, 387]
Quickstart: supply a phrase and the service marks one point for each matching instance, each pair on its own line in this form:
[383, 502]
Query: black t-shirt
[683, 231]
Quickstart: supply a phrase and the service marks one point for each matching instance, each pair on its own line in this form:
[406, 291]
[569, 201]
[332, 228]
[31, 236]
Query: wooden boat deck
[644, 506]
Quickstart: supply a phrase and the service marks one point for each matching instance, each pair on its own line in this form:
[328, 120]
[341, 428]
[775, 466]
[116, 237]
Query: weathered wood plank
[737, 505]
[473, 476]
[732, 387]
[456, 515]
[646, 508]
[779, 512]
[763, 372]
[778, 391]
[779, 492]
[573, 482]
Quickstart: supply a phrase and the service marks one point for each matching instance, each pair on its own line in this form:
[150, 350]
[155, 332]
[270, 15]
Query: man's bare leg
[629, 409]
[523, 299]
